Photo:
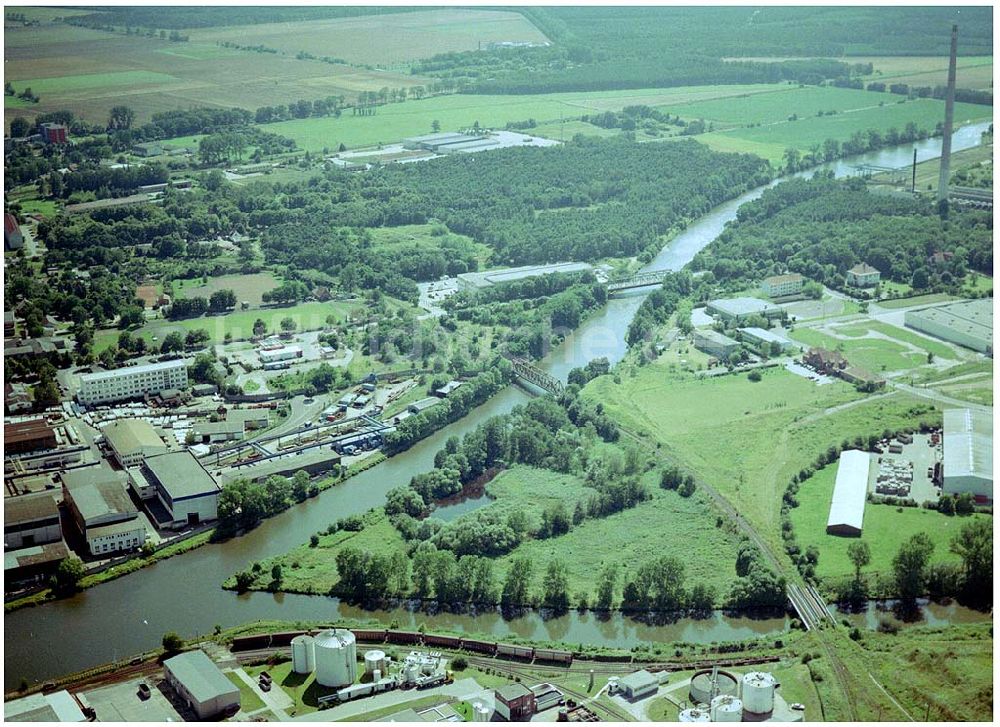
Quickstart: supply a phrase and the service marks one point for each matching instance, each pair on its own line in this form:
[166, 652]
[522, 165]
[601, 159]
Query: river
[129, 615]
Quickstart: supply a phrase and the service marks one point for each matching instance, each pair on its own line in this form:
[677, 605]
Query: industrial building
[102, 510]
[132, 440]
[477, 281]
[968, 453]
[55, 707]
[285, 353]
[439, 142]
[515, 702]
[638, 685]
[201, 684]
[447, 389]
[132, 382]
[714, 343]
[762, 340]
[31, 519]
[12, 237]
[215, 432]
[183, 486]
[968, 323]
[850, 490]
[53, 133]
[781, 285]
[735, 310]
[863, 275]
[17, 398]
[250, 418]
[28, 436]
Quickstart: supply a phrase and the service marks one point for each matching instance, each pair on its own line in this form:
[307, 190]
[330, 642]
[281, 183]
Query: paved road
[459, 690]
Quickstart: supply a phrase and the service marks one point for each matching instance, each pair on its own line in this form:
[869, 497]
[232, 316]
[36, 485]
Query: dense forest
[821, 227]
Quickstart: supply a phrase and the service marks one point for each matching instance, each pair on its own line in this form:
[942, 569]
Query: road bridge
[639, 280]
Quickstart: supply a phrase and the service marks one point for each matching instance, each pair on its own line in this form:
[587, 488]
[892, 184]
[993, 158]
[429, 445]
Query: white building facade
[132, 382]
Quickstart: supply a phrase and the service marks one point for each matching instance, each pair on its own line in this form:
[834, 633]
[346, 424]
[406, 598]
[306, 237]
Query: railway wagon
[517, 652]
[554, 655]
[405, 637]
[483, 647]
[449, 642]
[371, 636]
[264, 641]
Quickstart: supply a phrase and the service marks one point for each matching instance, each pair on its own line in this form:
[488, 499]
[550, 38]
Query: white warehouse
[847, 509]
[132, 382]
[968, 452]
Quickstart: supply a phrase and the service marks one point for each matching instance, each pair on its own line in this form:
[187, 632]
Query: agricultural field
[885, 529]
[391, 40]
[248, 288]
[771, 138]
[395, 122]
[748, 438]
[89, 71]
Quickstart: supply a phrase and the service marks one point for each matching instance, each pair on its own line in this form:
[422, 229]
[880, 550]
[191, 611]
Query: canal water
[182, 594]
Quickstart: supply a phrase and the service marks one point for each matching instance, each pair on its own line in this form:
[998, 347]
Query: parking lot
[121, 703]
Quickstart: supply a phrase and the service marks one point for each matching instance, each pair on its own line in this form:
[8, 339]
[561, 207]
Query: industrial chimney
[949, 113]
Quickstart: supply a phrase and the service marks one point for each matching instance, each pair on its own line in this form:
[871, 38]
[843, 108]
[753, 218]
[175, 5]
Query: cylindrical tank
[694, 715]
[726, 708]
[758, 692]
[374, 659]
[303, 654]
[336, 658]
[480, 712]
[410, 673]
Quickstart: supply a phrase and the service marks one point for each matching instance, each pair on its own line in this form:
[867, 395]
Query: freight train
[415, 638]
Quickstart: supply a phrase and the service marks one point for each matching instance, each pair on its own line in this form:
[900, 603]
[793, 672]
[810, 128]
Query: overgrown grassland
[884, 529]
[916, 300]
[747, 439]
[900, 334]
[248, 288]
[249, 701]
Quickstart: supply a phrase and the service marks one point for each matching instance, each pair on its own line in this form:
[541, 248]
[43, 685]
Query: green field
[884, 529]
[308, 316]
[88, 81]
[900, 334]
[747, 439]
[249, 701]
[395, 122]
[302, 688]
[874, 354]
[916, 300]
[421, 237]
[774, 132]
[248, 288]
[387, 40]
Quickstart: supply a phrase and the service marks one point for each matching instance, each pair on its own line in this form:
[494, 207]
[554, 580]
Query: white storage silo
[726, 708]
[480, 712]
[303, 654]
[374, 659]
[758, 692]
[694, 715]
[336, 658]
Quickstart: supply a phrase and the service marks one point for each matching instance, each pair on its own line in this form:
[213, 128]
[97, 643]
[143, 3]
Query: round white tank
[336, 658]
[480, 712]
[758, 692]
[303, 654]
[374, 659]
[726, 708]
[694, 715]
[410, 673]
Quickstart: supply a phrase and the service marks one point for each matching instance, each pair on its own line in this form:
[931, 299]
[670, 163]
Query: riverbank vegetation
[563, 501]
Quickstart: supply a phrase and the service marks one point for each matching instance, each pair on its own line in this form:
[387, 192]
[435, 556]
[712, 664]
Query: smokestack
[949, 113]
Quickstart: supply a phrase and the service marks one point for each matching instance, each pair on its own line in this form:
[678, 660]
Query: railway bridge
[534, 375]
[638, 280]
